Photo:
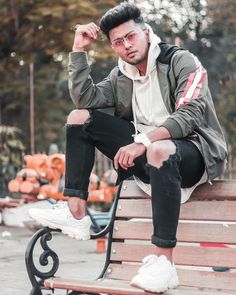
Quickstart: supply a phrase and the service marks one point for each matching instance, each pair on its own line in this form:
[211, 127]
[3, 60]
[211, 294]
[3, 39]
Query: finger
[76, 27]
[125, 161]
[130, 161]
[95, 27]
[94, 30]
[121, 160]
[115, 163]
[86, 32]
[116, 160]
[92, 33]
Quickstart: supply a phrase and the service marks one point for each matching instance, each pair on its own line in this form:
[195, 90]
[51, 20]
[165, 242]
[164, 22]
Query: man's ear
[147, 33]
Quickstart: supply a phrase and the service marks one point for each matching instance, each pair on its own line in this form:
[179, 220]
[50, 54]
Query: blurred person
[164, 132]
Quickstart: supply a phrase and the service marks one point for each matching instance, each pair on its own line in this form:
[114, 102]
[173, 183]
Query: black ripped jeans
[108, 133]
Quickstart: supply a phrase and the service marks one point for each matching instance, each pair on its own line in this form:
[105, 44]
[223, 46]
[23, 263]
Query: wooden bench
[209, 217]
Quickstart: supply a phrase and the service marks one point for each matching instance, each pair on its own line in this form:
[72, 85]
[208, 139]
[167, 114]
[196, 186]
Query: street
[78, 259]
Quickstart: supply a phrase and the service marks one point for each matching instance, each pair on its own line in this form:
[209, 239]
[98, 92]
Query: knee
[78, 117]
[160, 151]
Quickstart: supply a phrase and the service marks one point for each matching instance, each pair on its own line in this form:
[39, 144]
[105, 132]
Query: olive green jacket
[184, 87]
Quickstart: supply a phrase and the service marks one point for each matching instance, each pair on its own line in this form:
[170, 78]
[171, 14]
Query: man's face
[130, 42]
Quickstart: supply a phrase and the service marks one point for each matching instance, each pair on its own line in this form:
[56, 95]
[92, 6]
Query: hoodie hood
[131, 71]
[147, 104]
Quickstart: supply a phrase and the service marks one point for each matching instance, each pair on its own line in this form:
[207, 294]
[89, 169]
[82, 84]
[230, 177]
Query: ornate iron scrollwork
[36, 276]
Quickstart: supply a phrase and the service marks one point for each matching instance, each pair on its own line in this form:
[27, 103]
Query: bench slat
[116, 287]
[194, 278]
[99, 286]
[135, 204]
[220, 189]
[187, 232]
[195, 210]
[183, 255]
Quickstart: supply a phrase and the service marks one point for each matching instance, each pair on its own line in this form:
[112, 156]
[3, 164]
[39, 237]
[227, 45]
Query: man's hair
[118, 15]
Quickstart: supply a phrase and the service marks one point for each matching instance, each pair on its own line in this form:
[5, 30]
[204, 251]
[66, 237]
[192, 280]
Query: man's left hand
[127, 154]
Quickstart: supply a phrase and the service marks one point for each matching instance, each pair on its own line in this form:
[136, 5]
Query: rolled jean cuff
[75, 193]
[161, 243]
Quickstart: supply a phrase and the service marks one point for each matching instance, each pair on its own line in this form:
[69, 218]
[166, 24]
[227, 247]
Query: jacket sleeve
[84, 93]
[190, 95]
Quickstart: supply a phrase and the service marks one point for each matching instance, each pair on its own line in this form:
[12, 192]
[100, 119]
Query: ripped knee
[78, 117]
[159, 152]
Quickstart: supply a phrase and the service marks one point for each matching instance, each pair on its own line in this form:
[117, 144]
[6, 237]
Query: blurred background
[36, 37]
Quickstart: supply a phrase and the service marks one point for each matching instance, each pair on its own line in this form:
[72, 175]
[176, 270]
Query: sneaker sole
[74, 235]
[63, 229]
[172, 284]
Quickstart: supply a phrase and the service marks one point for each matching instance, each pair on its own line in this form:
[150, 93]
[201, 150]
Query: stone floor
[77, 259]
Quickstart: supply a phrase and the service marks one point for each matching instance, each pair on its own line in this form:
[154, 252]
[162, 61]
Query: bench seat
[205, 255]
[122, 287]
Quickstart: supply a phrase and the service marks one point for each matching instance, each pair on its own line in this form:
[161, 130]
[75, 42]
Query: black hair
[118, 15]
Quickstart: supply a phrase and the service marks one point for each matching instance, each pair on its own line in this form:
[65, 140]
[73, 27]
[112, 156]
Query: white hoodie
[149, 110]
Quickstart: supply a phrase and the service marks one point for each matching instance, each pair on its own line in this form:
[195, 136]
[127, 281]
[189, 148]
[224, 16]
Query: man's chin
[134, 61]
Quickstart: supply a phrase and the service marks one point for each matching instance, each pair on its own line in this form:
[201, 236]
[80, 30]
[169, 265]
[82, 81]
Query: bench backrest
[206, 235]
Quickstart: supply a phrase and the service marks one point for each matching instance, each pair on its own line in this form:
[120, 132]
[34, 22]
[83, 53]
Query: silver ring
[76, 27]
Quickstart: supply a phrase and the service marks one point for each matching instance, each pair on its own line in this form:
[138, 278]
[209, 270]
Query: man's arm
[84, 93]
[190, 96]
[159, 133]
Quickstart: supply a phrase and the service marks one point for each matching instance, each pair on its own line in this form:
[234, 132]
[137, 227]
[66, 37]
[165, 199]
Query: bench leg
[36, 291]
[37, 276]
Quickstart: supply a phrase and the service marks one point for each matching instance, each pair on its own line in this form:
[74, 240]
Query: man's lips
[131, 53]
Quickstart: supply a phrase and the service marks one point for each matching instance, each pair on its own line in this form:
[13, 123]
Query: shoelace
[59, 205]
[147, 261]
[63, 205]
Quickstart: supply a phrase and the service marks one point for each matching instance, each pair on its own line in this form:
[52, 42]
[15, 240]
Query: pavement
[78, 259]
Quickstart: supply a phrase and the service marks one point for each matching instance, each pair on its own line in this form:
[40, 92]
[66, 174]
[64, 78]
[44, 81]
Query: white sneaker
[157, 274]
[60, 217]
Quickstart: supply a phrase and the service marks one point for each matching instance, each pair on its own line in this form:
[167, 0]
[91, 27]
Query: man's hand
[84, 35]
[127, 154]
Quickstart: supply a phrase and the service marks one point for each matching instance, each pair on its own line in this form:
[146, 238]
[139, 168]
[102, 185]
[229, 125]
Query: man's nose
[126, 43]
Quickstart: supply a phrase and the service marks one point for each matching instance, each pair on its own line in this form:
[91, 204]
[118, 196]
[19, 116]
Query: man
[164, 132]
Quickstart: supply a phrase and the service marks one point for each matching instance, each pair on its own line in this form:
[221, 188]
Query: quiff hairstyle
[120, 14]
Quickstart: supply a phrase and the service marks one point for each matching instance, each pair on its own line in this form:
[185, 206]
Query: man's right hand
[84, 35]
[127, 154]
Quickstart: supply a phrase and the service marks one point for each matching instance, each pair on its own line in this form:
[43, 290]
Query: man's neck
[142, 68]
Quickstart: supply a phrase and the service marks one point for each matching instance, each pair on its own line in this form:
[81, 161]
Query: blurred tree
[177, 18]
[226, 108]
[41, 32]
[208, 29]
[11, 155]
[216, 46]
[221, 35]
[43, 28]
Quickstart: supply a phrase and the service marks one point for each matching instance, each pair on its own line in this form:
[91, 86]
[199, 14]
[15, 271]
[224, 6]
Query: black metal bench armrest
[36, 276]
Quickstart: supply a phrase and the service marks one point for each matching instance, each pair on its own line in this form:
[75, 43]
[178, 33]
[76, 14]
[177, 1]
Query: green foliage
[226, 108]
[31, 27]
[11, 156]
[41, 32]
[208, 29]
[177, 18]
[221, 37]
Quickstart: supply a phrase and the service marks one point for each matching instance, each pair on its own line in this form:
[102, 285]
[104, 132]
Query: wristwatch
[142, 138]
